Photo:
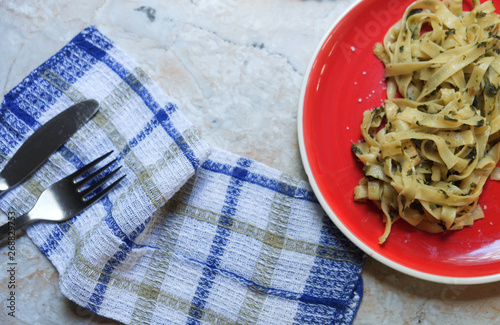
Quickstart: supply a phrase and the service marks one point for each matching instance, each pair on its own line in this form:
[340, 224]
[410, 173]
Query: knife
[44, 142]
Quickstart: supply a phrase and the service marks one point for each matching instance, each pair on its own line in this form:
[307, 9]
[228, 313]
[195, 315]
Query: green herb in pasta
[430, 149]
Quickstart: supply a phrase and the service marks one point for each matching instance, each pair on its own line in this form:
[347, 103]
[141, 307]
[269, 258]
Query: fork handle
[9, 229]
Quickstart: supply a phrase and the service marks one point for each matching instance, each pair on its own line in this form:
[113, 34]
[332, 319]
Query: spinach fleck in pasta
[428, 151]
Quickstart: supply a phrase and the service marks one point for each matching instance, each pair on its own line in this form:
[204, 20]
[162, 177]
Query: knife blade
[44, 142]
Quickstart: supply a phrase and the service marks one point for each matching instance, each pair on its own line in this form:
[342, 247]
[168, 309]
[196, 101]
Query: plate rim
[360, 244]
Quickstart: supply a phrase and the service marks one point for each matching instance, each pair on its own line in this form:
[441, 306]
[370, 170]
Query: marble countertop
[235, 68]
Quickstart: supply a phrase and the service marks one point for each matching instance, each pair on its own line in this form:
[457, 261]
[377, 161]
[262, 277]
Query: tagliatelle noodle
[428, 151]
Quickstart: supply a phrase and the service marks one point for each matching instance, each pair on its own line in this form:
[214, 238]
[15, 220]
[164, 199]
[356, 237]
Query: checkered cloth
[194, 234]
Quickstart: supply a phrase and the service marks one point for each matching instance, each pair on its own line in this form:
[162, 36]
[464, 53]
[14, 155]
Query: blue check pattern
[194, 235]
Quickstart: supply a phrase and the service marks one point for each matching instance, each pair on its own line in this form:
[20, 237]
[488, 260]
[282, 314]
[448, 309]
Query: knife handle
[3, 185]
[9, 228]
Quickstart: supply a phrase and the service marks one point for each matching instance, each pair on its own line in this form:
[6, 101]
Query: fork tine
[85, 168]
[94, 174]
[104, 191]
[91, 188]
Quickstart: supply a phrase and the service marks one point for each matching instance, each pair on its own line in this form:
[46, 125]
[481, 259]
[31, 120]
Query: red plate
[343, 80]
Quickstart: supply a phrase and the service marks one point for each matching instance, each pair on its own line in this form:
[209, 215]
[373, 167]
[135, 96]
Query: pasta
[429, 149]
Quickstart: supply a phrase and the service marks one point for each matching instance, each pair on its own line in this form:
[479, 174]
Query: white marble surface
[235, 68]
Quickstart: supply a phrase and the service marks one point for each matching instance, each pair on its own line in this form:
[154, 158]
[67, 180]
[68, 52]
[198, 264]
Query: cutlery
[44, 142]
[67, 197]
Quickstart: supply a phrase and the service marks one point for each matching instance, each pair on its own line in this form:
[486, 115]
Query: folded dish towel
[194, 234]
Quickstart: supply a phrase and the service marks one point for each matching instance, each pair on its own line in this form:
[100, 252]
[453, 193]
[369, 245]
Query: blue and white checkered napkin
[193, 235]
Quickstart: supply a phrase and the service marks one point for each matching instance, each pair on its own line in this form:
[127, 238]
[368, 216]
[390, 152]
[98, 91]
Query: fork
[66, 198]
